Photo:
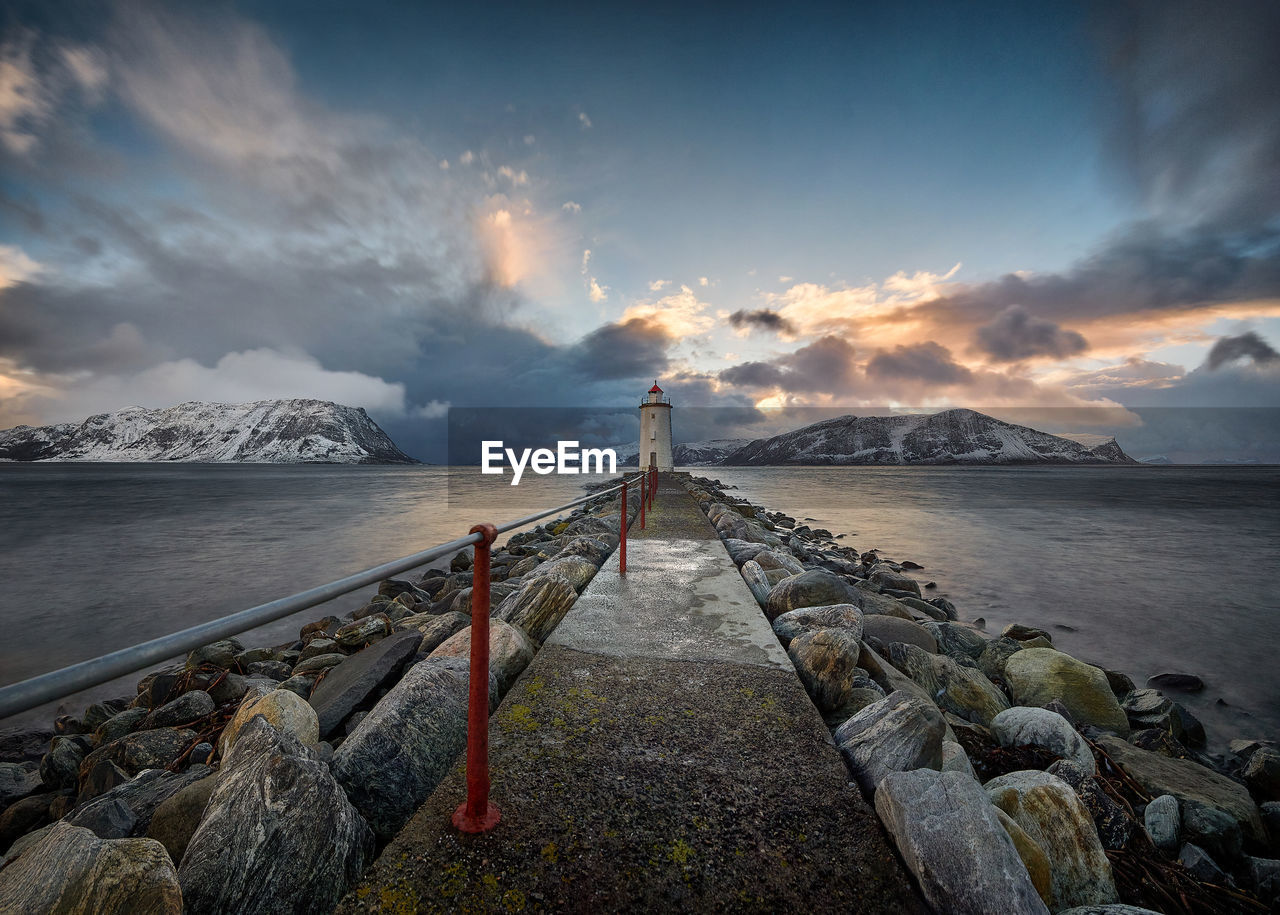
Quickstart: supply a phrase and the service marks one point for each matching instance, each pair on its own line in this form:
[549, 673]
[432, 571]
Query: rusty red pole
[622, 537]
[477, 814]
[644, 496]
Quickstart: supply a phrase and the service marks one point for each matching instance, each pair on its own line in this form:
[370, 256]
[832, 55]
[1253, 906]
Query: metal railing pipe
[622, 532]
[27, 694]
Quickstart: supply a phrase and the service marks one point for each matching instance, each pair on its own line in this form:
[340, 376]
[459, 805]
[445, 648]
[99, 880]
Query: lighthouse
[655, 430]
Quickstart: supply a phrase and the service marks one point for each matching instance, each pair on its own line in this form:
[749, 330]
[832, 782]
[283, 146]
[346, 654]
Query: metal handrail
[27, 694]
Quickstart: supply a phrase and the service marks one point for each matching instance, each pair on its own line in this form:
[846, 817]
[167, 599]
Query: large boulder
[1262, 774]
[72, 872]
[827, 662]
[510, 651]
[1032, 855]
[950, 838]
[362, 632]
[17, 781]
[1038, 727]
[896, 734]
[177, 816]
[887, 577]
[539, 605]
[779, 559]
[1049, 812]
[283, 709]
[186, 709]
[874, 603]
[153, 749]
[814, 588]
[141, 796]
[963, 691]
[995, 655]
[889, 629]
[1037, 676]
[356, 679]
[1214, 831]
[434, 628]
[845, 617]
[402, 749]
[221, 654]
[742, 551]
[60, 767]
[757, 580]
[1162, 819]
[954, 639]
[1113, 824]
[1148, 708]
[1187, 781]
[278, 834]
[576, 570]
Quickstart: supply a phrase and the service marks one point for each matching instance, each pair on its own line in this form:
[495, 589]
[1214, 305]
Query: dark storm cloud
[1195, 136]
[1197, 130]
[1143, 269]
[761, 318]
[1015, 335]
[824, 366]
[1246, 346]
[627, 349]
[928, 362]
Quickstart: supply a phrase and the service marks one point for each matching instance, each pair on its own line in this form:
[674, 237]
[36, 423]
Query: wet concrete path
[659, 754]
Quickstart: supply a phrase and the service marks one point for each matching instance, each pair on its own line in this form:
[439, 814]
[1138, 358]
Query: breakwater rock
[265, 778]
[1010, 775]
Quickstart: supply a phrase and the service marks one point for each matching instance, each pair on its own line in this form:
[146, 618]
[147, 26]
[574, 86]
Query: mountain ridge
[294, 431]
[959, 436]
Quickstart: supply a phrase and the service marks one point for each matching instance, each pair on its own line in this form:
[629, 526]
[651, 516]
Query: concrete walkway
[659, 754]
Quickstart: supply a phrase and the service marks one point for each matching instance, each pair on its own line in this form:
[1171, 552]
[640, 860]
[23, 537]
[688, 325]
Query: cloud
[517, 178]
[633, 347]
[785, 279]
[1246, 346]
[15, 266]
[1014, 335]
[762, 319]
[570, 207]
[824, 366]
[595, 291]
[656, 285]
[927, 362]
[467, 157]
[703, 281]
[529, 139]
[260, 374]
[681, 313]
[584, 120]
[1198, 126]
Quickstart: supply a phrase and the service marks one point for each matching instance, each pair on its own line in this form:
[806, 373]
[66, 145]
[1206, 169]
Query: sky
[854, 208]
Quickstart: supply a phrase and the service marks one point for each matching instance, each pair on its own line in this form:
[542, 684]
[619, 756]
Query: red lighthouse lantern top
[655, 389]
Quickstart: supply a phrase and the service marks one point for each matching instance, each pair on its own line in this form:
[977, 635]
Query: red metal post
[477, 814]
[622, 536]
[644, 497]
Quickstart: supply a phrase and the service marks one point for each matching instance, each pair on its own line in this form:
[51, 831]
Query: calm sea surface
[1144, 569]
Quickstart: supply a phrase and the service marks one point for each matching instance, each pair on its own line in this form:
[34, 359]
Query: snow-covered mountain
[265, 432]
[686, 454]
[949, 437]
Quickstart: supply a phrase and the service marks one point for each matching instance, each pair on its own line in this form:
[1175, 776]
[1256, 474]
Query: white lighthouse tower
[655, 430]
